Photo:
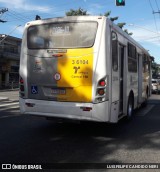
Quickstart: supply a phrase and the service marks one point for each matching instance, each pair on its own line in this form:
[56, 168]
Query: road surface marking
[9, 104]
[144, 111]
[8, 116]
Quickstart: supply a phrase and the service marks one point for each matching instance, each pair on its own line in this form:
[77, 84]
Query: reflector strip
[30, 104]
[57, 55]
[86, 108]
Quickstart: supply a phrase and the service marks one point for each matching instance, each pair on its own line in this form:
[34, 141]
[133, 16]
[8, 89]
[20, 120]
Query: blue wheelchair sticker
[34, 89]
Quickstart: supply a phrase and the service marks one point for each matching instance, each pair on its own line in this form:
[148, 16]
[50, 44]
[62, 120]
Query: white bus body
[82, 68]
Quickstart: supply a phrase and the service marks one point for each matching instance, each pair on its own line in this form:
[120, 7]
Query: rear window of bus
[62, 35]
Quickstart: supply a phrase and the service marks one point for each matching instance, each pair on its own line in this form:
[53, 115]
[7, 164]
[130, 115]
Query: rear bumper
[70, 110]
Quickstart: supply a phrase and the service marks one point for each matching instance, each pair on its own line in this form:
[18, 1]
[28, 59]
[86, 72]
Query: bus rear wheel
[130, 108]
[144, 104]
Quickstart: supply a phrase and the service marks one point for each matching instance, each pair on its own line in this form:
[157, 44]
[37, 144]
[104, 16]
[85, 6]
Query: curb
[4, 90]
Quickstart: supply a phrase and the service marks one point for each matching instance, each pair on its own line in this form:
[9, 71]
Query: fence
[10, 85]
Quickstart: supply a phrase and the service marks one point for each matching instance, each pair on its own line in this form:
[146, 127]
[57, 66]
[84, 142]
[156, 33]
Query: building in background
[9, 61]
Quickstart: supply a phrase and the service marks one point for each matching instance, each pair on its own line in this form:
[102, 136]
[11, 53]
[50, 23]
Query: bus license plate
[58, 91]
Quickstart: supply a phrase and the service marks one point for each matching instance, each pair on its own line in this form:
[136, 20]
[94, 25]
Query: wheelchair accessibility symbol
[34, 89]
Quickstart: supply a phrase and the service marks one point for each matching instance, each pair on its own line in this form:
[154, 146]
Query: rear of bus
[63, 69]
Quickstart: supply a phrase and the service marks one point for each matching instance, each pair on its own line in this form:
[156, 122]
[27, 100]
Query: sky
[141, 17]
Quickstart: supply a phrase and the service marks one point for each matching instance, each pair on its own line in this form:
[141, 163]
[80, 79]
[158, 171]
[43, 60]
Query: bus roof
[88, 18]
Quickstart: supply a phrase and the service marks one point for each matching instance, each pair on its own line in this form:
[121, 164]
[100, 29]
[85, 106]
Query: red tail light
[102, 83]
[21, 80]
[86, 108]
[21, 87]
[101, 91]
[57, 55]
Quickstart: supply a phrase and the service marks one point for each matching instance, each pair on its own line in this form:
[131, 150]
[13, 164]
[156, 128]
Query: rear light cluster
[21, 87]
[101, 90]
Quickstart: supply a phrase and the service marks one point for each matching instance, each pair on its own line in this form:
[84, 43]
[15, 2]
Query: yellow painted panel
[76, 70]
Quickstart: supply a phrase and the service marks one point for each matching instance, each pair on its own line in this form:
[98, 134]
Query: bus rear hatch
[60, 61]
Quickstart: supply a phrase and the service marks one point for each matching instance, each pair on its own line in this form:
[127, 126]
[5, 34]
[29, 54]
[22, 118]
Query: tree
[2, 21]
[121, 25]
[155, 70]
[107, 14]
[125, 30]
[113, 18]
[79, 12]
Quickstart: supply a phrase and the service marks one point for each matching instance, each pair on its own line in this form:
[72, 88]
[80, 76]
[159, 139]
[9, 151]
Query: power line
[20, 17]
[9, 34]
[44, 11]
[154, 15]
[144, 28]
[157, 7]
[148, 38]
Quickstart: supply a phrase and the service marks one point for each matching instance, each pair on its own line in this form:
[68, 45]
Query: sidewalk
[5, 90]
[154, 99]
[3, 99]
[9, 94]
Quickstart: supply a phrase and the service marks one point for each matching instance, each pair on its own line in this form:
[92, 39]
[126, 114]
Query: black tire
[147, 93]
[130, 108]
[144, 104]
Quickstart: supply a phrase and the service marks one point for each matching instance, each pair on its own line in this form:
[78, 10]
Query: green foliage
[113, 18]
[155, 69]
[121, 25]
[79, 12]
[107, 13]
[125, 30]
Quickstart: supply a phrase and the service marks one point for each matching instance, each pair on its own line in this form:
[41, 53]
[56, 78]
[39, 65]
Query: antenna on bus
[37, 17]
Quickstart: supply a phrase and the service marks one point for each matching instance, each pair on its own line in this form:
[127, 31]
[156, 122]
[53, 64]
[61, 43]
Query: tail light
[102, 90]
[21, 87]
[86, 108]
[21, 81]
[102, 83]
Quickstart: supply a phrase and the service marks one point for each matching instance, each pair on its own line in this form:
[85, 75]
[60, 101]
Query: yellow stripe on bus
[76, 69]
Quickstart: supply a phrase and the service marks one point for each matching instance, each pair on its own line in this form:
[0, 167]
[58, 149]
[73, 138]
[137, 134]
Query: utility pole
[2, 11]
[156, 12]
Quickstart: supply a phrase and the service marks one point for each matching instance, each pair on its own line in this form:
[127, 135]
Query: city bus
[82, 68]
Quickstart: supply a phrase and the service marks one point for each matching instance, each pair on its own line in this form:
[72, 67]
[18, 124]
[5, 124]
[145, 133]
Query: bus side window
[114, 52]
[132, 58]
[145, 63]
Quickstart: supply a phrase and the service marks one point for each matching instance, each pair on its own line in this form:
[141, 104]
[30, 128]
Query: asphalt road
[32, 140]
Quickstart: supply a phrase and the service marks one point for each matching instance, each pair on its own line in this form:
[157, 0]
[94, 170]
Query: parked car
[155, 86]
